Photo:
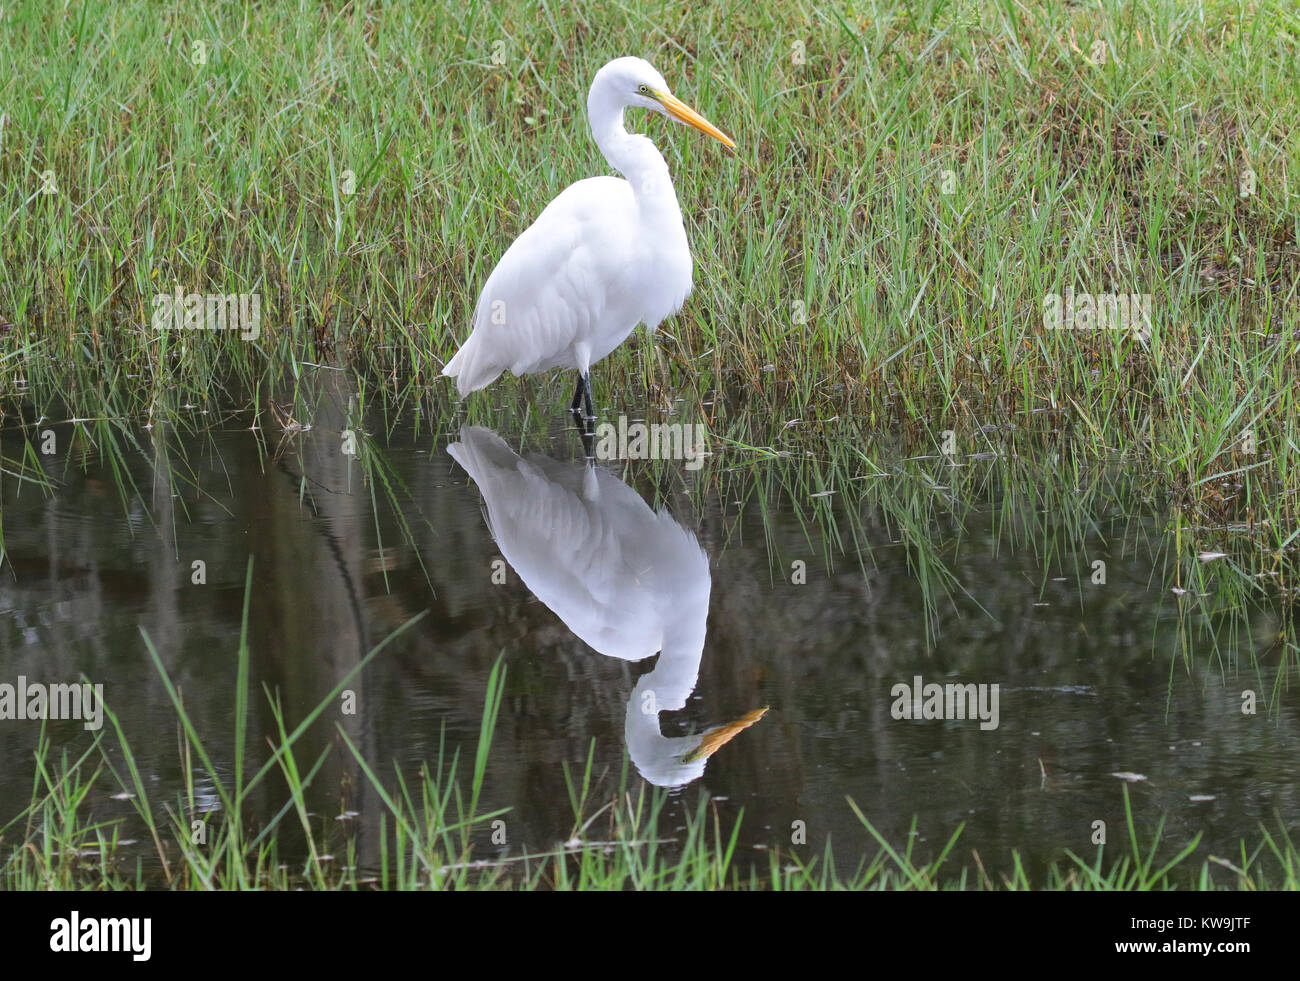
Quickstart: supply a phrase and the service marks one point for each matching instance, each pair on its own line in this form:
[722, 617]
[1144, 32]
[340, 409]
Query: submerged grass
[857, 494]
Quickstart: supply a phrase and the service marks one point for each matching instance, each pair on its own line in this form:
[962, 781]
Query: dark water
[1094, 679]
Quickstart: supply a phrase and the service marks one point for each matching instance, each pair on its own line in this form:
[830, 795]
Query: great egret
[604, 256]
[628, 581]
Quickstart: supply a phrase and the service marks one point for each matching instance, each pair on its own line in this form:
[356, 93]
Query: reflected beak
[683, 113]
[715, 739]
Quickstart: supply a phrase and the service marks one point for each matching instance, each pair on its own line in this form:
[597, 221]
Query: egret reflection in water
[627, 580]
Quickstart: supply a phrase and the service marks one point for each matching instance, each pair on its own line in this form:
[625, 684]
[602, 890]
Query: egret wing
[554, 286]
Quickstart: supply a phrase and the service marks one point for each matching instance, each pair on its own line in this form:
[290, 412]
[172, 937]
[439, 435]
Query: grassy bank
[910, 183]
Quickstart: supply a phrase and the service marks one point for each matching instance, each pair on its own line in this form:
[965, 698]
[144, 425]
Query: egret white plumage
[604, 256]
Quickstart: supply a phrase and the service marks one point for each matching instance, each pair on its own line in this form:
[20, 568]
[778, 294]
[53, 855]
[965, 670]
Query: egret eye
[643, 89]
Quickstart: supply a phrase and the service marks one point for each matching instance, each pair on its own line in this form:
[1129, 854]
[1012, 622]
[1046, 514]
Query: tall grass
[917, 178]
[874, 258]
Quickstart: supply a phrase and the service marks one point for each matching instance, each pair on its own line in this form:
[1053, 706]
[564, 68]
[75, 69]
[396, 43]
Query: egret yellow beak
[715, 739]
[680, 111]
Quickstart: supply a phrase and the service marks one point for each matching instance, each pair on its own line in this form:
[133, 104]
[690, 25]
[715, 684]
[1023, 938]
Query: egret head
[634, 82]
[673, 761]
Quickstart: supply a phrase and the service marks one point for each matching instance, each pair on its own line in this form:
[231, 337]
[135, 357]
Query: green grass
[918, 183]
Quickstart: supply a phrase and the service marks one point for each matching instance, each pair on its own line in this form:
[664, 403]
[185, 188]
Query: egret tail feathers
[470, 369]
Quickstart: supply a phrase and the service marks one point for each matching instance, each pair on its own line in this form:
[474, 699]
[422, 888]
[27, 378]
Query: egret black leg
[580, 424]
[581, 399]
[586, 394]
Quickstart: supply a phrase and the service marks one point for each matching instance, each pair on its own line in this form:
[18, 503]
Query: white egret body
[627, 580]
[604, 256]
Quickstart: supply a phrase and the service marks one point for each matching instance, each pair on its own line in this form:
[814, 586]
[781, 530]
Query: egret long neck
[635, 157]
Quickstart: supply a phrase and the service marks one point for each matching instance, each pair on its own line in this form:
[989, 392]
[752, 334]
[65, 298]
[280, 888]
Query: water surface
[759, 594]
